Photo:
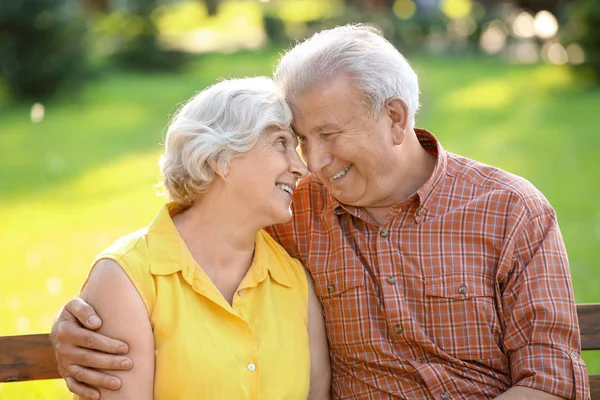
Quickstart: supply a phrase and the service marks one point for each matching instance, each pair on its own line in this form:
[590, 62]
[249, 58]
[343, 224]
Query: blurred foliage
[41, 48]
[582, 27]
[139, 48]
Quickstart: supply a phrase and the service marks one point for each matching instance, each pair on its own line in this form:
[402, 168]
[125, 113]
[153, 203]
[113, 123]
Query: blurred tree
[143, 50]
[96, 5]
[41, 47]
[583, 29]
[212, 7]
[371, 5]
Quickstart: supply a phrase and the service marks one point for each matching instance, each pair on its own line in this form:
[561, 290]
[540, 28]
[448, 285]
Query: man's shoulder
[493, 180]
[311, 196]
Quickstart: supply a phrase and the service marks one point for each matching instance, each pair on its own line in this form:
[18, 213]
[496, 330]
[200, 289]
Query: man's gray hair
[376, 67]
[213, 127]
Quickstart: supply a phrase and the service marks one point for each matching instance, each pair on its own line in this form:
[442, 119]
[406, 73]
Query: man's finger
[84, 313]
[93, 378]
[81, 390]
[71, 333]
[89, 358]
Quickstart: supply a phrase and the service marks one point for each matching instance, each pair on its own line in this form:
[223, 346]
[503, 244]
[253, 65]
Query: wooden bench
[30, 357]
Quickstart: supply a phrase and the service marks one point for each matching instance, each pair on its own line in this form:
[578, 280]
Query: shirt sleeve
[284, 235]
[541, 328]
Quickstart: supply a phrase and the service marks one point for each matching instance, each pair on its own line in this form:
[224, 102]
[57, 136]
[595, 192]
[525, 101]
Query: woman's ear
[398, 115]
[220, 168]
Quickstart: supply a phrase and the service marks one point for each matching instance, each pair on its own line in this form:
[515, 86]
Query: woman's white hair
[217, 124]
[376, 67]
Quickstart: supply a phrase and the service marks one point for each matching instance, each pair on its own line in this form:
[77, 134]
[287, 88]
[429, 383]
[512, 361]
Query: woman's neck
[221, 244]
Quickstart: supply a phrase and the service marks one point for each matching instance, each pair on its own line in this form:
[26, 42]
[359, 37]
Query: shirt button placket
[445, 395]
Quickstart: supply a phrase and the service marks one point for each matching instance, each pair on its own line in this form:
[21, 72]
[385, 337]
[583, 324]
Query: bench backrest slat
[30, 357]
[27, 357]
[589, 325]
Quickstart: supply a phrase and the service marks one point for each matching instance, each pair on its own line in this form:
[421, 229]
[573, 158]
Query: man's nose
[317, 156]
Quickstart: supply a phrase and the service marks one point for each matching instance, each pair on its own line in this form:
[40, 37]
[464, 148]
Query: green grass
[84, 176]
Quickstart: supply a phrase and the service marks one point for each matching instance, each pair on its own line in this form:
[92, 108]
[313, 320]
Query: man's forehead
[308, 125]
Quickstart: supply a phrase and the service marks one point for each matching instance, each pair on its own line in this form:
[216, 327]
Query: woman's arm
[124, 317]
[320, 369]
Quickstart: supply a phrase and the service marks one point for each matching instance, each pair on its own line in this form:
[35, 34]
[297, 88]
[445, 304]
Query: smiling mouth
[285, 188]
[341, 173]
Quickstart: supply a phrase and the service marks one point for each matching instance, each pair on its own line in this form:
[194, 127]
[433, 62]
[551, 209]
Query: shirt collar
[271, 258]
[167, 253]
[165, 244]
[430, 143]
[431, 186]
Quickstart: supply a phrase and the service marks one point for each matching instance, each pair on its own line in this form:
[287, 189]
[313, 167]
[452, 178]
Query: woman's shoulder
[128, 243]
[130, 255]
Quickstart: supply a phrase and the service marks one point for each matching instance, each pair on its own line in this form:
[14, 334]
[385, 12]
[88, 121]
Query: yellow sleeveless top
[256, 348]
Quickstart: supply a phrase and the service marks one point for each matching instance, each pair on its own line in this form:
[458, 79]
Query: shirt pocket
[342, 294]
[462, 319]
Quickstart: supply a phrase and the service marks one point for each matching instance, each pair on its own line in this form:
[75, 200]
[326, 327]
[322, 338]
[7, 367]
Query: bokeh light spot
[404, 9]
[493, 38]
[23, 324]
[456, 8]
[523, 26]
[54, 285]
[546, 25]
[555, 53]
[576, 54]
[13, 304]
[37, 113]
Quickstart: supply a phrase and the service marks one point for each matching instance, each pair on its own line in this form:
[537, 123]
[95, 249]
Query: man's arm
[525, 393]
[320, 369]
[541, 331]
[80, 352]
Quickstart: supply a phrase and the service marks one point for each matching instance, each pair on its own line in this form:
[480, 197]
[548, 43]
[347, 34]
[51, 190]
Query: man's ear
[398, 115]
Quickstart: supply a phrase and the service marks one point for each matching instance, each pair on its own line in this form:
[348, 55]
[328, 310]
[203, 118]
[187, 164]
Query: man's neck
[416, 167]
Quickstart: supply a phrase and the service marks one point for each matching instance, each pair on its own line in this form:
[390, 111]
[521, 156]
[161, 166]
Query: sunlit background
[87, 88]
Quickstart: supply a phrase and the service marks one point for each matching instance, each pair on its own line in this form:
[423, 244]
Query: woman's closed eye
[282, 142]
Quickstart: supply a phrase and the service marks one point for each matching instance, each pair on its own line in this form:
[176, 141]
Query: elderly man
[440, 277]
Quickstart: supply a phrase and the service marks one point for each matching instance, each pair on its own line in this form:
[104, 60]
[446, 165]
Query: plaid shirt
[462, 291]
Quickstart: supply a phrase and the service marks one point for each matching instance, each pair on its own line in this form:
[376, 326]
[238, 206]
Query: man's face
[351, 152]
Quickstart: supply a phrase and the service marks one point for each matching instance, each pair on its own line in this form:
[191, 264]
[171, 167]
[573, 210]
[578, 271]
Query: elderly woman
[211, 306]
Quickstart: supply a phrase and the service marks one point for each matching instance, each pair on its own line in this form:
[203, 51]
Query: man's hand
[80, 351]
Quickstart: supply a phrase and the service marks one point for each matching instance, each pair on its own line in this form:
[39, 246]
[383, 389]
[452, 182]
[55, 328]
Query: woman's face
[265, 178]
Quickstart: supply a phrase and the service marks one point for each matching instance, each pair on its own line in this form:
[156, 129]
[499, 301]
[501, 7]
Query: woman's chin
[283, 217]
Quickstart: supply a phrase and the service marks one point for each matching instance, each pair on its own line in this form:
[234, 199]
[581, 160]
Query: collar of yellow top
[165, 244]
